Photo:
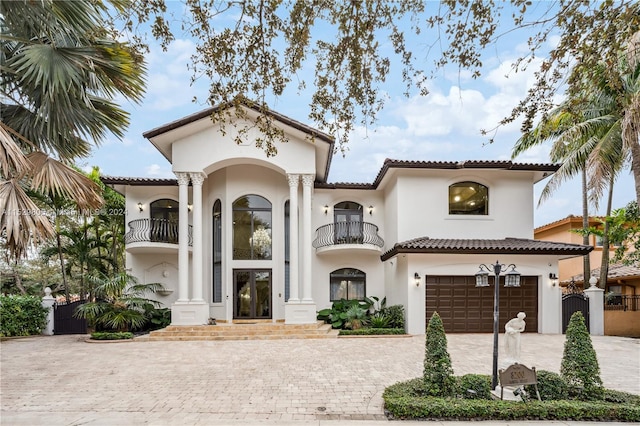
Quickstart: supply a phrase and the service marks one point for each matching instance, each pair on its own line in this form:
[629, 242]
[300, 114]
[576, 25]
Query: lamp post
[511, 279]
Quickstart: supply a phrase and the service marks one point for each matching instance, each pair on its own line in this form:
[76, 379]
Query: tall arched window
[347, 219]
[217, 252]
[164, 221]
[468, 198]
[347, 283]
[251, 228]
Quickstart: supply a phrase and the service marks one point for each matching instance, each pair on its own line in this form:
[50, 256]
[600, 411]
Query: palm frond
[21, 221]
[59, 179]
[12, 159]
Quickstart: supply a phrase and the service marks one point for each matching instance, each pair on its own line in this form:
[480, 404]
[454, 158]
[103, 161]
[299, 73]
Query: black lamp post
[511, 279]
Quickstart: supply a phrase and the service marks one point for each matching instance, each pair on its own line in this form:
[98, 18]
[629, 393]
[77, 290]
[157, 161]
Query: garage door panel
[467, 309]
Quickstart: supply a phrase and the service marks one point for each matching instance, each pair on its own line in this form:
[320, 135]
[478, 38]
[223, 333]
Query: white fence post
[596, 309]
[47, 302]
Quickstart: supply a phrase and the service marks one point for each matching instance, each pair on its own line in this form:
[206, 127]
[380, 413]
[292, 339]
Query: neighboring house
[622, 289]
[239, 235]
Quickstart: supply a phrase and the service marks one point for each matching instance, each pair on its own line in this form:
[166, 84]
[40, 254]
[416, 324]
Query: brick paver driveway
[64, 380]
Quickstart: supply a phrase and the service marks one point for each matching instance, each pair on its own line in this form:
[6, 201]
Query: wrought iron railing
[353, 232]
[622, 303]
[154, 230]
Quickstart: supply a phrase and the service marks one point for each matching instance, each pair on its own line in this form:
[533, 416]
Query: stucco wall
[423, 206]
[620, 323]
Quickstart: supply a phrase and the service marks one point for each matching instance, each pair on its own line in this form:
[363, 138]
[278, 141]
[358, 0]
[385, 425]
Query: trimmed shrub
[115, 335]
[438, 373]
[620, 397]
[475, 386]
[395, 313]
[21, 315]
[407, 400]
[579, 367]
[552, 386]
[371, 331]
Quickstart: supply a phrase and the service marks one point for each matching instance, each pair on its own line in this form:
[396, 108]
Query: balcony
[153, 236]
[352, 235]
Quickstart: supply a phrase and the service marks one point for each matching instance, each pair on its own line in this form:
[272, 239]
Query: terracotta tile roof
[469, 164]
[616, 271]
[138, 181]
[488, 246]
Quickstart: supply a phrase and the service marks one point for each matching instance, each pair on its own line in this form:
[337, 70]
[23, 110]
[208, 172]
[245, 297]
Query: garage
[464, 308]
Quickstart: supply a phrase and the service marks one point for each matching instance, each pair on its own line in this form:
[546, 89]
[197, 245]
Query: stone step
[253, 331]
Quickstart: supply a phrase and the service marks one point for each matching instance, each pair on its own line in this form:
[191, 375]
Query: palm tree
[587, 140]
[120, 303]
[60, 69]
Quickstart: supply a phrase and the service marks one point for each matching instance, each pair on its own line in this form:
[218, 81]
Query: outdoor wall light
[416, 276]
[189, 207]
[326, 209]
[554, 279]
[140, 207]
[370, 210]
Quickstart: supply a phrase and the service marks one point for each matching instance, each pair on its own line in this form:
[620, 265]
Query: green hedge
[111, 335]
[405, 400]
[21, 315]
[370, 331]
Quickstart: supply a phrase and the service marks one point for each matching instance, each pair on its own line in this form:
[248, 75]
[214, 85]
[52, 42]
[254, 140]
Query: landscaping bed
[410, 401]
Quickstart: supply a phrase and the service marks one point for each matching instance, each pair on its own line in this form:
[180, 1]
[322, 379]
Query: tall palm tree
[587, 140]
[60, 70]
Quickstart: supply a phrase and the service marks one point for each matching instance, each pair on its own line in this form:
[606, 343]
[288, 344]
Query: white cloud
[155, 170]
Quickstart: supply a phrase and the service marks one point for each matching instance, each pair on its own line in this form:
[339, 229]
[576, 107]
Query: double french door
[252, 293]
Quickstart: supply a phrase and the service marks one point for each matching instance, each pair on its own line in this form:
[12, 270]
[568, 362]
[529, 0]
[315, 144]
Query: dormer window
[469, 198]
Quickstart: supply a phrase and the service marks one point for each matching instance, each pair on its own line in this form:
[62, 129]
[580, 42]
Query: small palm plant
[120, 302]
[356, 317]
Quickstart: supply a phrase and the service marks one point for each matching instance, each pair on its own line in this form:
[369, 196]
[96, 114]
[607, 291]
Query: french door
[252, 293]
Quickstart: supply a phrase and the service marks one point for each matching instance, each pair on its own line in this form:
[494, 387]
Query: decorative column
[183, 238]
[307, 185]
[596, 308]
[293, 238]
[47, 302]
[196, 181]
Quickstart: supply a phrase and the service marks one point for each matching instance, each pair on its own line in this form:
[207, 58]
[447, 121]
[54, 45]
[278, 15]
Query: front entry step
[245, 331]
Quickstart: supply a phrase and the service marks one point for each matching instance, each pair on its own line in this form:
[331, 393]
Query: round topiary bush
[475, 386]
[552, 387]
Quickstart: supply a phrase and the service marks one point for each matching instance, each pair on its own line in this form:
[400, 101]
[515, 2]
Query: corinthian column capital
[307, 180]
[197, 178]
[183, 178]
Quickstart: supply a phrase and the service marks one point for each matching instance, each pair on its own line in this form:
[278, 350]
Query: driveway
[64, 380]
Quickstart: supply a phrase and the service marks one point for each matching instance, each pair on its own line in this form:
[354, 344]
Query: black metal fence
[64, 322]
[622, 303]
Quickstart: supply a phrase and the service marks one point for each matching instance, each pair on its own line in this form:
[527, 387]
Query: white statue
[512, 330]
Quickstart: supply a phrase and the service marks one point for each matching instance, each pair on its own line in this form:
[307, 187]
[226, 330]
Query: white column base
[300, 313]
[189, 313]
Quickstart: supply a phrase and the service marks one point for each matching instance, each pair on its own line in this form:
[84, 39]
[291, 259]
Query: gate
[65, 323]
[572, 303]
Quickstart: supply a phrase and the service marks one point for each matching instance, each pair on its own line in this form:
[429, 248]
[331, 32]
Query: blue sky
[443, 126]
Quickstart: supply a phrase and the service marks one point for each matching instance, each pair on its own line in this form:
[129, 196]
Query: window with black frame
[468, 198]
[164, 221]
[252, 228]
[347, 283]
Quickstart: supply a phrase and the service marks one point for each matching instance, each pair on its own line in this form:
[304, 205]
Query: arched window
[217, 252]
[468, 198]
[347, 283]
[164, 221]
[347, 219]
[251, 228]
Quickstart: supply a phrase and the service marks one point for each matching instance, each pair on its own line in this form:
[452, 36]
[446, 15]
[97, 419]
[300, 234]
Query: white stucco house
[239, 235]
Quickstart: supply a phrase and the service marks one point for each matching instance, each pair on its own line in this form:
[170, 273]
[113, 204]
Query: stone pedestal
[300, 313]
[47, 302]
[596, 310]
[189, 313]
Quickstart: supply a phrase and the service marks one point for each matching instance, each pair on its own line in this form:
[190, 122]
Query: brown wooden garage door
[467, 309]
